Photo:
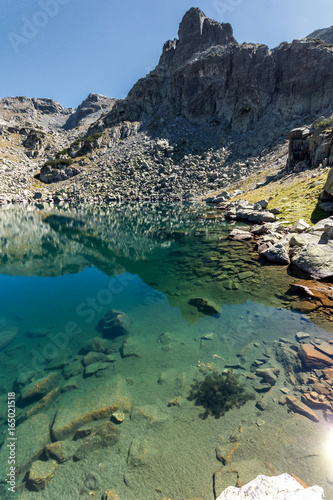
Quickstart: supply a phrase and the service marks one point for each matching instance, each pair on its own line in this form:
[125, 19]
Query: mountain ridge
[211, 113]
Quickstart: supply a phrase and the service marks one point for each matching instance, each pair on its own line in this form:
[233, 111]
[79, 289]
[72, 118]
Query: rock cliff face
[30, 112]
[206, 76]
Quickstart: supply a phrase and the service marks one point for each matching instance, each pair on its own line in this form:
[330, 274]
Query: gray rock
[315, 261]
[299, 226]
[130, 348]
[277, 253]
[113, 324]
[301, 336]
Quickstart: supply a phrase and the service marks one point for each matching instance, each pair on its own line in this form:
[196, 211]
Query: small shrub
[61, 153]
[90, 138]
[218, 393]
[60, 162]
[324, 123]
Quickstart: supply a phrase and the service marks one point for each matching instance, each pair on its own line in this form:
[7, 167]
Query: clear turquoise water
[63, 267]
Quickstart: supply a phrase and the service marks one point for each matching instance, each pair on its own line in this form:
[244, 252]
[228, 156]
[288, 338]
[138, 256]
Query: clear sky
[65, 49]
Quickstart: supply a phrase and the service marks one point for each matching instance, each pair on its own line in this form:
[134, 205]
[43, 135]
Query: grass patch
[295, 195]
[90, 138]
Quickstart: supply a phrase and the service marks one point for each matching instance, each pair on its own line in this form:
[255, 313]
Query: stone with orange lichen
[67, 423]
[39, 388]
[224, 452]
[304, 306]
[175, 402]
[298, 407]
[110, 495]
[300, 481]
[44, 403]
[309, 400]
[328, 373]
[41, 474]
[313, 358]
[326, 348]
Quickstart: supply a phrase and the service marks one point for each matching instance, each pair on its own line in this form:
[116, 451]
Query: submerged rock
[103, 435]
[61, 451]
[39, 388]
[32, 435]
[113, 324]
[7, 337]
[205, 306]
[67, 421]
[41, 474]
[130, 347]
[314, 358]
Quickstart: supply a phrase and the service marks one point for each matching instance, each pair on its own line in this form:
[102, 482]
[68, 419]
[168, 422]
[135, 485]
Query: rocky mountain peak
[196, 28]
[196, 33]
[325, 34]
[191, 25]
[91, 109]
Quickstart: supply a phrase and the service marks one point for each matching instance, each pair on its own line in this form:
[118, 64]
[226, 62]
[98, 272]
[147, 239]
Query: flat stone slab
[94, 368]
[6, 337]
[238, 234]
[32, 437]
[326, 348]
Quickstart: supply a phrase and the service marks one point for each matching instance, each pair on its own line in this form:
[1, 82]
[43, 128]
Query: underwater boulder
[113, 324]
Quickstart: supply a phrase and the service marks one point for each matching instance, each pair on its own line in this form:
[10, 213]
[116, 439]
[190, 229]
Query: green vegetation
[61, 153]
[296, 195]
[90, 138]
[54, 163]
[319, 41]
[218, 393]
[324, 123]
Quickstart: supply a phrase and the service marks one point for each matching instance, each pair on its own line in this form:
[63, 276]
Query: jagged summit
[205, 76]
[90, 109]
[196, 28]
[196, 33]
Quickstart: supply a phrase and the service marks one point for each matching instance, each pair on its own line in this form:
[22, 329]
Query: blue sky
[65, 49]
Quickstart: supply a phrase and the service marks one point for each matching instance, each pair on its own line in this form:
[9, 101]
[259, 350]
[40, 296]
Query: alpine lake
[131, 341]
